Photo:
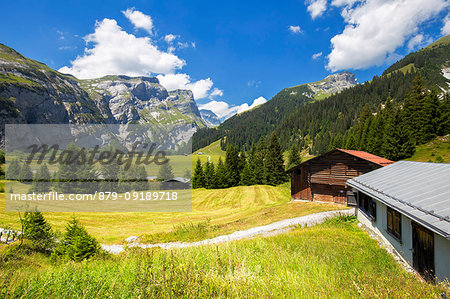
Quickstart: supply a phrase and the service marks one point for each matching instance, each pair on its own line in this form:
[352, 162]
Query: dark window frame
[367, 205]
[394, 223]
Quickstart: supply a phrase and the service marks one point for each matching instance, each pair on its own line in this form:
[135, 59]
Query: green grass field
[332, 260]
[224, 210]
[213, 150]
[439, 147]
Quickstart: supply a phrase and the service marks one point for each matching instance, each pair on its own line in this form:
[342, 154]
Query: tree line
[85, 178]
[397, 127]
[263, 164]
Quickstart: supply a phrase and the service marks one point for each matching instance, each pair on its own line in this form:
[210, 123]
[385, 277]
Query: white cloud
[115, 52]
[317, 55]
[216, 93]
[200, 89]
[375, 29]
[295, 29]
[139, 19]
[169, 38]
[419, 41]
[445, 30]
[223, 110]
[316, 7]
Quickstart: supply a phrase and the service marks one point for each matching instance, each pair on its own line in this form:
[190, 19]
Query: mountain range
[318, 112]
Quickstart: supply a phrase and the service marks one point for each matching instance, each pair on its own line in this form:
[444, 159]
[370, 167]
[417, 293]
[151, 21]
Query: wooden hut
[323, 178]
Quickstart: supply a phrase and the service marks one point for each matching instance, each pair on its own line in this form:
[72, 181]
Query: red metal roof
[369, 157]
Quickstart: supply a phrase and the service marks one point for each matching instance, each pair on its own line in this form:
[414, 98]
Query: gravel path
[265, 230]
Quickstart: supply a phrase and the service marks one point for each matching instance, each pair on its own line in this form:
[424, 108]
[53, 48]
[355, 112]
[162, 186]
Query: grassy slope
[430, 151]
[212, 150]
[229, 210]
[330, 260]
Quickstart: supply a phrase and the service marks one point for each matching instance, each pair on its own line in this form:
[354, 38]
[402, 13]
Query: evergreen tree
[443, 121]
[38, 231]
[110, 177]
[42, 180]
[376, 130]
[74, 175]
[13, 171]
[420, 112]
[165, 172]
[140, 179]
[187, 174]
[221, 175]
[274, 162]
[258, 166]
[232, 165]
[25, 174]
[198, 180]
[242, 160]
[294, 158]
[210, 175]
[246, 176]
[397, 143]
[77, 244]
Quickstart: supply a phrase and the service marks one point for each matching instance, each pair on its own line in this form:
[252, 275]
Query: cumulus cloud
[376, 28]
[316, 7]
[200, 89]
[139, 20]
[294, 29]
[115, 52]
[445, 30]
[317, 55]
[223, 110]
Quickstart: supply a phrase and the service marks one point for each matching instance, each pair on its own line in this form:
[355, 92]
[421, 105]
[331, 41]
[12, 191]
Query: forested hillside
[337, 120]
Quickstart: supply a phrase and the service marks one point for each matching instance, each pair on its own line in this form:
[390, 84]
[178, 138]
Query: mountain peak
[332, 84]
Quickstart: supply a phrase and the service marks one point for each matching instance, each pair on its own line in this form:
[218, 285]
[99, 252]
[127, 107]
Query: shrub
[77, 244]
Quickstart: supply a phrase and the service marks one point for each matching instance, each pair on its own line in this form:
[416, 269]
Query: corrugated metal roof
[369, 157]
[419, 190]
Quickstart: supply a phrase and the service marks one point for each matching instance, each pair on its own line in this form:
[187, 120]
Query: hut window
[368, 206]
[394, 224]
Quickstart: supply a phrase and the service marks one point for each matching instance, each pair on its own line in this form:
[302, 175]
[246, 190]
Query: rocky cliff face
[32, 93]
[332, 84]
[210, 118]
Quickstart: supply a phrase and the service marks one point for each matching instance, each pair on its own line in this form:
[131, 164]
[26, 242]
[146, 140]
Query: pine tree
[25, 174]
[42, 180]
[294, 158]
[443, 121]
[72, 175]
[397, 143]
[77, 243]
[232, 165]
[38, 231]
[140, 179]
[247, 176]
[376, 130]
[165, 172]
[221, 175]
[210, 175]
[420, 112]
[198, 180]
[259, 167]
[13, 171]
[274, 162]
[110, 177]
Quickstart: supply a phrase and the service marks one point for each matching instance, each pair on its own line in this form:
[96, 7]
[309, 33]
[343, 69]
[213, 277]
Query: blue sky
[230, 52]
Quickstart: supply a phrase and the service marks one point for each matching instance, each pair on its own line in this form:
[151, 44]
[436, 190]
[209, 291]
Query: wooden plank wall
[324, 179]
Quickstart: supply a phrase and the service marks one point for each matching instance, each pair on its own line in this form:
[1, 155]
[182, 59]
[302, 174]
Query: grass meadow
[332, 260]
[214, 212]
